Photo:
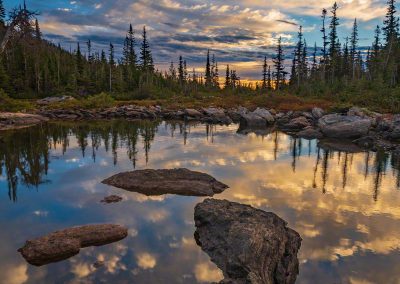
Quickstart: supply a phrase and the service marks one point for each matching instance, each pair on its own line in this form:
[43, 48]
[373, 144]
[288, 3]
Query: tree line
[339, 65]
[31, 66]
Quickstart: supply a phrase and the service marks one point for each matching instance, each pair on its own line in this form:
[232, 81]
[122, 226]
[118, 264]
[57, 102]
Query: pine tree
[264, 74]
[185, 72]
[280, 72]
[377, 39]
[132, 58]
[391, 24]
[89, 49]
[180, 70]
[2, 12]
[208, 70]
[227, 77]
[333, 35]
[314, 65]
[129, 57]
[172, 71]
[269, 79]
[216, 75]
[111, 62]
[146, 57]
[38, 33]
[79, 60]
[325, 43]
[353, 48]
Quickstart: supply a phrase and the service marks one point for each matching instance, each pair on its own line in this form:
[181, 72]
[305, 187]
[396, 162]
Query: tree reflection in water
[24, 154]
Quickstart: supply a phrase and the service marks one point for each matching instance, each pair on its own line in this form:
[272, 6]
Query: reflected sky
[345, 206]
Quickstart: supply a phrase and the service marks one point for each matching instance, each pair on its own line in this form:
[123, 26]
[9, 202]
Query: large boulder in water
[249, 245]
[258, 118]
[344, 126]
[64, 244]
[265, 114]
[252, 120]
[175, 181]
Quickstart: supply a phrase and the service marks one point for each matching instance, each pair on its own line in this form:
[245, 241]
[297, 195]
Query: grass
[8, 104]
[387, 102]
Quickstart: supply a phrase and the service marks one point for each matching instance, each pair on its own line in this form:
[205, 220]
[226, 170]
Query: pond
[345, 206]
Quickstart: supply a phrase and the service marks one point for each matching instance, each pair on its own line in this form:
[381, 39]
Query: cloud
[146, 260]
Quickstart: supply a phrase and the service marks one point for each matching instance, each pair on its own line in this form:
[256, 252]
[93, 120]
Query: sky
[238, 32]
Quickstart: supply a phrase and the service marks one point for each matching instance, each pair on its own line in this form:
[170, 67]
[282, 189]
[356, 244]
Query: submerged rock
[61, 245]
[112, 199]
[247, 244]
[175, 181]
[341, 126]
[10, 120]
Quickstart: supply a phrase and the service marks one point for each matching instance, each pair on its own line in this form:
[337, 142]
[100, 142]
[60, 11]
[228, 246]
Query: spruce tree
[227, 77]
[264, 74]
[280, 73]
[38, 33]
[146, 57]
[314, 65]
[180, 70]
[333, 35]
[172, 71]
[325, 44]
[391, 24]
[208, 70]
[111, 62]
[79, 60]
[132, 58]
[377, 39]
[353, 47]
[269, 79]
[2, 12]
[216, 75]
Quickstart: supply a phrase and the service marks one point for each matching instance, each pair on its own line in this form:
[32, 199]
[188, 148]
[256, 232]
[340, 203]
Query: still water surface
[346, 207]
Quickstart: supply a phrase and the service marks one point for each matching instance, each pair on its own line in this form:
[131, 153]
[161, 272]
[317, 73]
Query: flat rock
[344, 126]
[175, 181]
[249, 245]
[9, 120]
[61, 245]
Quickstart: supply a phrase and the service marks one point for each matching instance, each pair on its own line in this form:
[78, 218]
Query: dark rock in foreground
[247, 244]
[175, 181]
[64, 244]
[112, 199]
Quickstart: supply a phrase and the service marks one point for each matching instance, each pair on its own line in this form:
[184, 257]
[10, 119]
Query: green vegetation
[337, 75]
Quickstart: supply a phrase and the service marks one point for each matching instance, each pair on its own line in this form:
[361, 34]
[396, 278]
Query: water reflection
[344, 205]
[24, 154]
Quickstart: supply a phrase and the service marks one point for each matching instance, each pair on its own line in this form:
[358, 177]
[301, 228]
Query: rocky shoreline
[365, 129]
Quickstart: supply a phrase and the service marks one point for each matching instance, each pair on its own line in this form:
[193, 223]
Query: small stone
[112, 199]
